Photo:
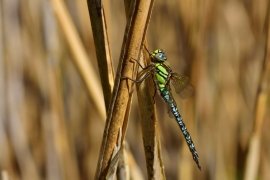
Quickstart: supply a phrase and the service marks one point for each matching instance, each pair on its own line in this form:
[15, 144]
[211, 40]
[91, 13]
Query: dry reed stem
[134, 35]
[81, 59]
[15, 90]
[68, 165]
[3, 135]
[55, 139]
[253, 156]
[99, 29]
[124, 163]
[4, 175]
[127, 167]
[149, 125]
[123, 170]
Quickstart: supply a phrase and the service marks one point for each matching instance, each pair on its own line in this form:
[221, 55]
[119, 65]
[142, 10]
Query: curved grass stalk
[99, 29]
[253, 157]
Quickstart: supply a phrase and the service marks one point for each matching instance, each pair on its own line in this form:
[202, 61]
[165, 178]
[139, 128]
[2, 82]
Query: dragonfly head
[158, 56]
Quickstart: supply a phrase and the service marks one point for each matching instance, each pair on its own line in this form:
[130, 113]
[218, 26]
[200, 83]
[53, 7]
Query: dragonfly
[163, 76]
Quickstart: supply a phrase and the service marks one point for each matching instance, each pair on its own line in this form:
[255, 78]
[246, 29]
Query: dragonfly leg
[147, 50]
[138, 81]
[144, 68]
[137, 62]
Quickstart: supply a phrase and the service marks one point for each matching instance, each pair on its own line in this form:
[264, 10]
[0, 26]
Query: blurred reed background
[51, 126]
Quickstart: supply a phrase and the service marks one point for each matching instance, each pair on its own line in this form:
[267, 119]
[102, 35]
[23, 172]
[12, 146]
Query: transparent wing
[182, 86]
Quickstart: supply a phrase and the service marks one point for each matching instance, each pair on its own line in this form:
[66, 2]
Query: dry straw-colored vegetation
[65, 113]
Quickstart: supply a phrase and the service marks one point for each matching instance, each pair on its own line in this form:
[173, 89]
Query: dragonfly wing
[182, 86]
[187, 92]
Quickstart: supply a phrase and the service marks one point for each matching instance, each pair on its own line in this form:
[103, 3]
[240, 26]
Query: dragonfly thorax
[158, 56]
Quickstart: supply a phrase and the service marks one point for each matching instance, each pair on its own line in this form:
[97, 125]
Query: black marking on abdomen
[166, 95]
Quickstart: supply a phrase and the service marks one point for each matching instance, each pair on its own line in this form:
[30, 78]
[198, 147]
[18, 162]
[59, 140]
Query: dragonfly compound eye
[161, 56]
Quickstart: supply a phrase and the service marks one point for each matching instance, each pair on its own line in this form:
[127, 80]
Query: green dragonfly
[163, 75]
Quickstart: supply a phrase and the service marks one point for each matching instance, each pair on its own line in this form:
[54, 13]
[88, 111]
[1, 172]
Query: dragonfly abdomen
[169, 99]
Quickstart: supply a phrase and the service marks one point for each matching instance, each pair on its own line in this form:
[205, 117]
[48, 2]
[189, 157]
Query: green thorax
[163, 72]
